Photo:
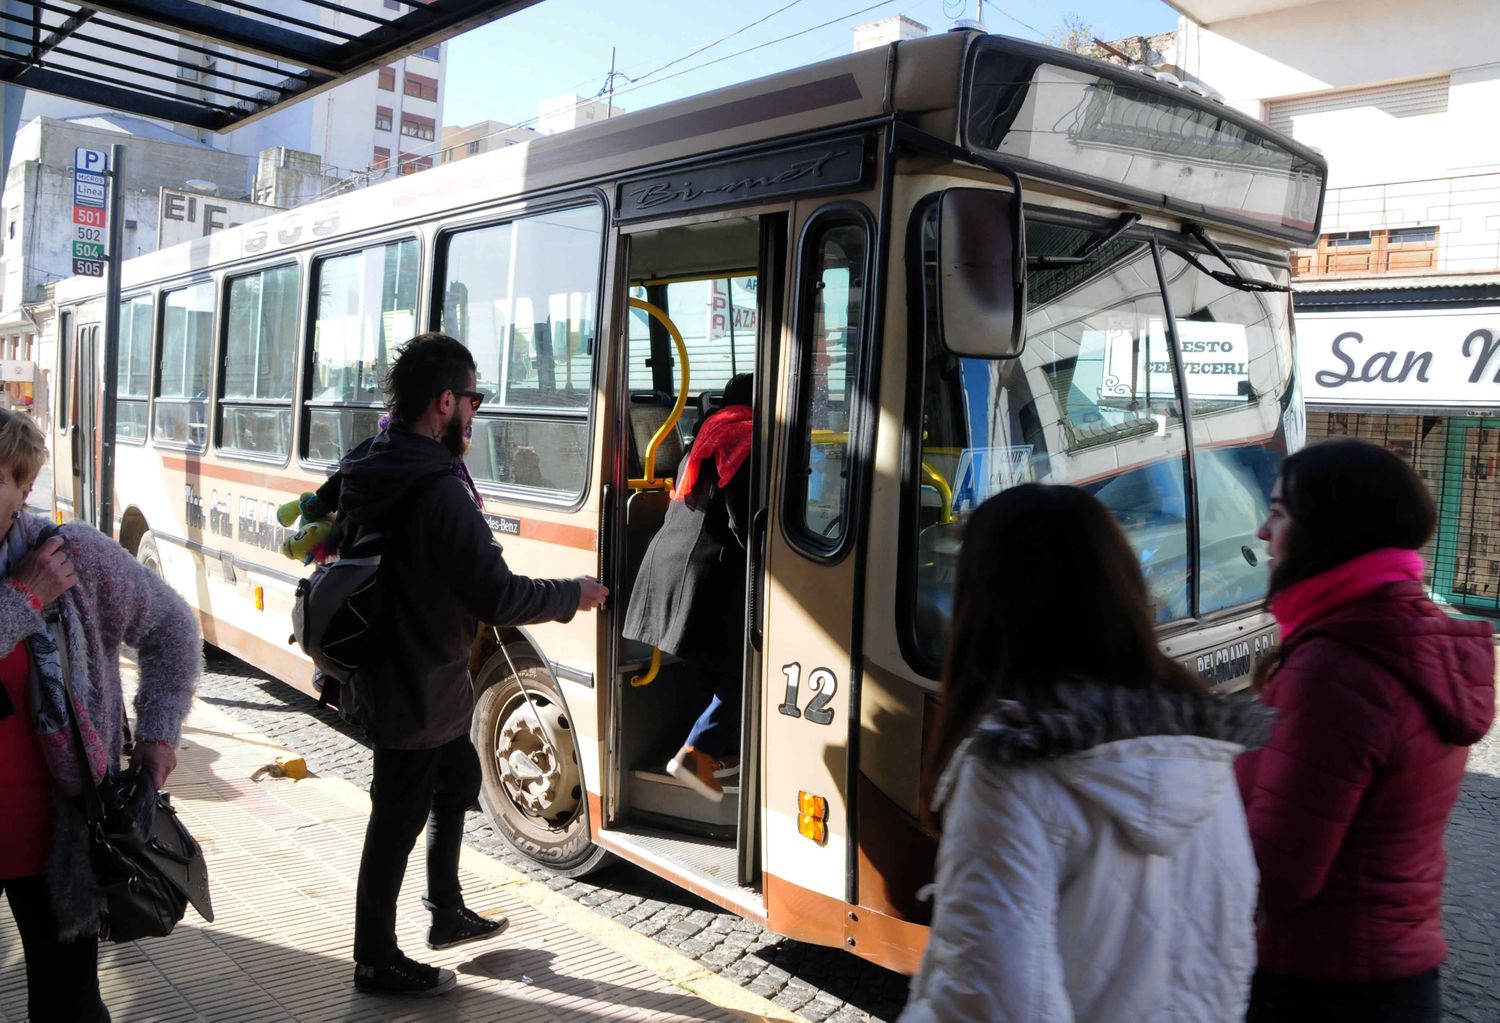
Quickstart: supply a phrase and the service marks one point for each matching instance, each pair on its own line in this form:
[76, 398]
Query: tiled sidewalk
[283, 856]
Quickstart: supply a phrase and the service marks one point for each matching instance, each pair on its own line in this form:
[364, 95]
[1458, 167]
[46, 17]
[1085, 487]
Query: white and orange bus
[953, 264]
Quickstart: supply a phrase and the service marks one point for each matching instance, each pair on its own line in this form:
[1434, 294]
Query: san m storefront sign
[1401, 357]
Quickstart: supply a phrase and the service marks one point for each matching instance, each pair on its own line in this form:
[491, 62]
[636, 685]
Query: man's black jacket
[445, 573]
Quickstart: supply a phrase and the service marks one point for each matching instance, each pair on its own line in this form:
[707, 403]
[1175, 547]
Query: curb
[646, 952]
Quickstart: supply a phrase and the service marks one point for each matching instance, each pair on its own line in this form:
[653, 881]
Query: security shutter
[1459, 460]
[1408, 99]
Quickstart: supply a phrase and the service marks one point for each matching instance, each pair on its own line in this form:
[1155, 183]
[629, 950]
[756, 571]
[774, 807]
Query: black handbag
[146, 864]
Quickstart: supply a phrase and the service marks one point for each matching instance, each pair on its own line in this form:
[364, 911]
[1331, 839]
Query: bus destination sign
[838, 165]
[90, 217]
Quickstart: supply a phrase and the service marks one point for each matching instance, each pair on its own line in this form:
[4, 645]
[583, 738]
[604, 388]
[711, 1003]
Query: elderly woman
[106, 599]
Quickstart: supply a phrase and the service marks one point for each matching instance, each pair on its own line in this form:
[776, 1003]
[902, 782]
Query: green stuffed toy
[313, 540]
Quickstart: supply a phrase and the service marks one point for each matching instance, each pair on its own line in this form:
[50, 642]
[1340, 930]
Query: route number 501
[821, 682]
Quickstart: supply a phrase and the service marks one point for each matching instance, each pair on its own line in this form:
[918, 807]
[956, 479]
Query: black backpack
[339, 610]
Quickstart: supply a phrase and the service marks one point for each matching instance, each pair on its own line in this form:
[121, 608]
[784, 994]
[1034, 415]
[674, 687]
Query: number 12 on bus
[971, 264]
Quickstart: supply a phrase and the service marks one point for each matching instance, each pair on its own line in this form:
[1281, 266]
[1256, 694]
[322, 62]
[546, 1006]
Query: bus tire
[532, 785]
[147, 554]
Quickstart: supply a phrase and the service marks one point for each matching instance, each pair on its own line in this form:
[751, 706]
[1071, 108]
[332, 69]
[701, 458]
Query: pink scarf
[1313, 598]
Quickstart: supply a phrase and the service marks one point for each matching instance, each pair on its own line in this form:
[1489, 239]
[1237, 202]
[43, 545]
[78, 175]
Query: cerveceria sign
[1401, 357]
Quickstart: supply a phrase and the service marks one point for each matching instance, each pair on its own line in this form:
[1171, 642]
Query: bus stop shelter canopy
[218, 65]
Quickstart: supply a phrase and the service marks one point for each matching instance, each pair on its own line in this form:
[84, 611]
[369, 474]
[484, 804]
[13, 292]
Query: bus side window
[182, 379]
[366, 308]
[523, 296]
[133, 375]
[830, 341]
[260, 351]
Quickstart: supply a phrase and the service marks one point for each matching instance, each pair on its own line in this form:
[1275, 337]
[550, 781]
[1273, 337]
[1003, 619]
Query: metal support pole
[110, 383]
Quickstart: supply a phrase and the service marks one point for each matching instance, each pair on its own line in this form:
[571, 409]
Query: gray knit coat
[119, 602]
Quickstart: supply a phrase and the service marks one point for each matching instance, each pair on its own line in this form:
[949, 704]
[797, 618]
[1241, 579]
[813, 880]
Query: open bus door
[718, 284]
[810, 595]
[75, 456]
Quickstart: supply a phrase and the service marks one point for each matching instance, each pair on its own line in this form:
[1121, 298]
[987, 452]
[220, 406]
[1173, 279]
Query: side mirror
[981, 246]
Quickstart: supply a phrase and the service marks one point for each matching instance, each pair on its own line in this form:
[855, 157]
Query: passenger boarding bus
[953, 264]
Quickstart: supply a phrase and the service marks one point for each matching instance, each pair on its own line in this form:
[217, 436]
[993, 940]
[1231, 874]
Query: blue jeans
[717, 730]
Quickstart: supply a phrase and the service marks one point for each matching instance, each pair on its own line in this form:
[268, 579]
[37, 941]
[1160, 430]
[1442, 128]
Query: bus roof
[845, 90]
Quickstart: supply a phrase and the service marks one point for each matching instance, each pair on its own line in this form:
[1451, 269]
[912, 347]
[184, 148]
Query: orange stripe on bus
[197, 467]
[563, 535]
[559, 533]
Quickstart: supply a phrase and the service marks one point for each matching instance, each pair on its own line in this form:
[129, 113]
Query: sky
[676, 48]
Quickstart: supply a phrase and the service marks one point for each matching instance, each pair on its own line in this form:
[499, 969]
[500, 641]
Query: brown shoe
[701, 772]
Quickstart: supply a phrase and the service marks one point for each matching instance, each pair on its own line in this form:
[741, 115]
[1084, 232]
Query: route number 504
[821, 682]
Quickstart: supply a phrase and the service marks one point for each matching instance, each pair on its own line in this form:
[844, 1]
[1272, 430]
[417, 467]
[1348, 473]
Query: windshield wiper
[1089, 252]
[1232, 279]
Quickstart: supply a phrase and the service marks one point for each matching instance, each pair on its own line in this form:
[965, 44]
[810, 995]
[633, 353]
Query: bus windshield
[1098, 399]
[1128, 134]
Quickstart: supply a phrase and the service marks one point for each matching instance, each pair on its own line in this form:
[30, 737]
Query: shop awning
[1450, 290]
[218, 66]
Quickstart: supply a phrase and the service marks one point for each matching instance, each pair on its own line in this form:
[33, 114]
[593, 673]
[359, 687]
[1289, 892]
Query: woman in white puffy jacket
[1094, 864]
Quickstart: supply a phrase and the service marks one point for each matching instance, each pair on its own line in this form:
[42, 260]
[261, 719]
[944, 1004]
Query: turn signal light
[260, 598]
[812, 817]
[811, 827]
[809, 805]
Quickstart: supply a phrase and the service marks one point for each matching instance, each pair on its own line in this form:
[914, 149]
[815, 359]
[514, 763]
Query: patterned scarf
[48, 694]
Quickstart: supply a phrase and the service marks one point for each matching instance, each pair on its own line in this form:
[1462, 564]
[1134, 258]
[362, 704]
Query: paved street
[821, 984]
[827, 984]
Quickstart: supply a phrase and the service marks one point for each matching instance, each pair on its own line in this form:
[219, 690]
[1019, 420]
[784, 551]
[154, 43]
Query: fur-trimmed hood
[1156, 762]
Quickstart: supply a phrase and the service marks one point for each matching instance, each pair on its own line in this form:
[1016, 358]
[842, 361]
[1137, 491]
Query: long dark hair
[1347, 497]
[1048, 590]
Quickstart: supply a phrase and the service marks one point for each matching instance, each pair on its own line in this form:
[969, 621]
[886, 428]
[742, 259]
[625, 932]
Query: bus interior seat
[648, 411]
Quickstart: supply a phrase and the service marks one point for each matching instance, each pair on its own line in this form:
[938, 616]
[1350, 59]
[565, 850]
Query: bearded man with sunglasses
[446, 573]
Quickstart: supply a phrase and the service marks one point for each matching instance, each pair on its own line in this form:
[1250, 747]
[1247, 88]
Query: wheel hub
[534, 755]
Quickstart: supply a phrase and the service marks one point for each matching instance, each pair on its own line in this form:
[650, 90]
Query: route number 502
[821, 682]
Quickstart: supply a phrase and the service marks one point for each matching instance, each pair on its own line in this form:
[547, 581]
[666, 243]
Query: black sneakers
[452, 927]
[403, 976]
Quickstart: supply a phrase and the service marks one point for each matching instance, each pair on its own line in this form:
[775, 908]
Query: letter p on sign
[95, 161]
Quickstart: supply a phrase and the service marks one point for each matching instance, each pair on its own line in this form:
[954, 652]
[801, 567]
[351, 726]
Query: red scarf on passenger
[724, 436]
[1306, 601]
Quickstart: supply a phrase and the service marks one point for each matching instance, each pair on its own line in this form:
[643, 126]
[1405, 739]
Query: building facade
[1398, 307]
[481, 137]
[367, 129]
[36, 221]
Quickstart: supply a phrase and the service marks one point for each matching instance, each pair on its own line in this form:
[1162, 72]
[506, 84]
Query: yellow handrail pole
[650, 480]
[944, 491]
[650, 676]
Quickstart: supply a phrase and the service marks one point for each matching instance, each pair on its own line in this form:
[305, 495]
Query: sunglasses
[476, 399]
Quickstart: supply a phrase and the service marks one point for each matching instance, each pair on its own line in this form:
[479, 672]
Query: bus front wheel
[147, 554]
[532, 787]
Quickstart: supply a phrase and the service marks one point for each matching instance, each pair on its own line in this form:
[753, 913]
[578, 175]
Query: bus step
[656, 792]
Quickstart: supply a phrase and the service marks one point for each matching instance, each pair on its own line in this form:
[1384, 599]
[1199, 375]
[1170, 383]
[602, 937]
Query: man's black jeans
[62, 978]
[411, 786]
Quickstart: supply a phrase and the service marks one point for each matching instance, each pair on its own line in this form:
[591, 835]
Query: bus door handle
[73, 445]
[606, 533]
[758, 530]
